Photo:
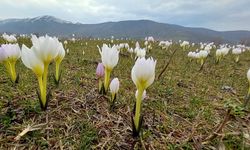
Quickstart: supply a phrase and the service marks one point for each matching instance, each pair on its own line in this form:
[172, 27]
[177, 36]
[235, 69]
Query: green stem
[40, 82]
[44, 84]
[138, 108]
[57, 71]
[6, 64]
[13, 71]
[112, 97]
[106, 80]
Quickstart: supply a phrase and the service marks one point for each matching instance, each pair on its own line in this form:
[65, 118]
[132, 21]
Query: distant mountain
[132, 28]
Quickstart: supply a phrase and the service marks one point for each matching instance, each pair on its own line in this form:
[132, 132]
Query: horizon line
[197, 27]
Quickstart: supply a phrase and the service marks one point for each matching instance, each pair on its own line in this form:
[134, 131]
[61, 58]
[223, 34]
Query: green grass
[184, 104]
[88, 135]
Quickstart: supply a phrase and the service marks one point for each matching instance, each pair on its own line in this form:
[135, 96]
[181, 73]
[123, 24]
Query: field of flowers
[162, 95]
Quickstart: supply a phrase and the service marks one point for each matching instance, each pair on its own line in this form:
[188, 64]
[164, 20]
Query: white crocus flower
[184, 45]
[219, 55]
[58, 60]
[110, 57]
[10, 54]
[237, 52]
[61, 54]
[13, 52]
[141, 53]
[126, 46]
[225, 51]
[114, 85]
[143, 75]
[137, 45]
[2, 54]
[45, 47]
[67, 51]
[202, 56]
[114, 88]
[9, 38]
[192, 55]
[143, 72]
[131, 50]
[65, 42]
[31, 61]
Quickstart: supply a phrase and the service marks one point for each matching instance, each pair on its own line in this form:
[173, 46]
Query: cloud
[214, 14]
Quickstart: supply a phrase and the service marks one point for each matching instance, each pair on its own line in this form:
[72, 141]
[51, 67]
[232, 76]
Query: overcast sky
[213, 14]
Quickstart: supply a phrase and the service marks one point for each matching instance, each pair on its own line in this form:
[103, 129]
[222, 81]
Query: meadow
[186, 108]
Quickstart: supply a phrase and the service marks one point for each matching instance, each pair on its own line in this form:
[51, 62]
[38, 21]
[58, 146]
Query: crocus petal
[114, 85]
[110, 56]
[248, 75]
[143, 72]
[12, 51]
[2, 54]
[100, 70]
[31, 61]
[45, 47]
[61, 53]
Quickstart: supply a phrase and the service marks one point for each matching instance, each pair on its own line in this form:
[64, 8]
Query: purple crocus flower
[100, 70]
